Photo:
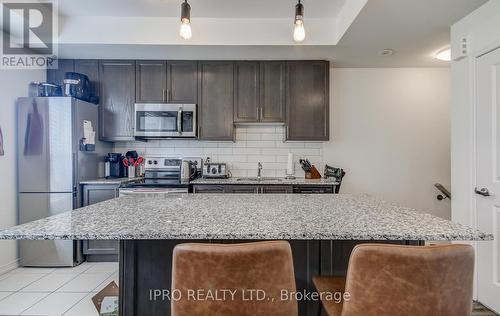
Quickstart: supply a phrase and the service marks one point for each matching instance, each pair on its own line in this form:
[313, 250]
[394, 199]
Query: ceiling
[414, 29]
[201, 8]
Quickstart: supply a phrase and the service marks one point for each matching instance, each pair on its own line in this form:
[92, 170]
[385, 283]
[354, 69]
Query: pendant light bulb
[185, 29]
[299, 32]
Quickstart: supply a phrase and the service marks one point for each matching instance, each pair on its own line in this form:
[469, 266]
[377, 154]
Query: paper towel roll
[289, 166]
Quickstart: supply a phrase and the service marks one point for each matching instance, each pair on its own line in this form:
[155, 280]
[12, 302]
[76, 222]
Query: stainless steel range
[164, 175]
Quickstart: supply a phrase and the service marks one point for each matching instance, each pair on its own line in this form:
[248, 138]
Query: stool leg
[320, 307]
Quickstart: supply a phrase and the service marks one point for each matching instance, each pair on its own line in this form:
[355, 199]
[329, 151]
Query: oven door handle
[179, 121]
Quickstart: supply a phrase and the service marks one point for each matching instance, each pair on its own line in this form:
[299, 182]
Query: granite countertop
[112, 181]
[245, 216]
[266, 180]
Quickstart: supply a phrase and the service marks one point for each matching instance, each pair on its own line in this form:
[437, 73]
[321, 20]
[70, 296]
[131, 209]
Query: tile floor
[54, 292]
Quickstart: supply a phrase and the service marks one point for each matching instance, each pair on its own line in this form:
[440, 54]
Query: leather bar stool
[398, 280]
[211, 268]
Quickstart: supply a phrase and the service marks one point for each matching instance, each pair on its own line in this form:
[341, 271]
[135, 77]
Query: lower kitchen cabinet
[263, 189]
[314, 189]
[100, 250]
[209, 188]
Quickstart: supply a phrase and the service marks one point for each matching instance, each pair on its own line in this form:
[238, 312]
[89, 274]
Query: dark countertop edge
[264, 182]
[486, 237]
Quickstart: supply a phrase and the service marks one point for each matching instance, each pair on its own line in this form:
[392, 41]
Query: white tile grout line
[90, 265]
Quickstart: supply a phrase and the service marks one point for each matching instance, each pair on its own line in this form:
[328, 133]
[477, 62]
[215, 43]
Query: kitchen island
[322, 229]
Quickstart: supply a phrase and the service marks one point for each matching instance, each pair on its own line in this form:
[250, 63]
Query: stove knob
[150, 162]
[214, 170]
[155, 162]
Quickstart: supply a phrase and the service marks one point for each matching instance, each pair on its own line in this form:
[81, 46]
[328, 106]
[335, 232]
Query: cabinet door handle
[164, 95]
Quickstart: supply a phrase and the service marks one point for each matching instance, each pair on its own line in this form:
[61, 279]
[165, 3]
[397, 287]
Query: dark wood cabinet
[201, 188]
[307, 101]
[151, 81]
[182, 81]
[264, 188]
[241, 189]
[227, 92]
[246, 96]
[272, 91]
[90, 68]
[100, 250]
[117, 100]
[314, 189]
[216, 99]
[259, 91]
[276, 189]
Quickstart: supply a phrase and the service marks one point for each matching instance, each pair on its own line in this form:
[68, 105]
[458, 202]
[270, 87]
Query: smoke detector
[386, 52]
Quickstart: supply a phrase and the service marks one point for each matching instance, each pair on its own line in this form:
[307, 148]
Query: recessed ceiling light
[444, 54]
[386, 52]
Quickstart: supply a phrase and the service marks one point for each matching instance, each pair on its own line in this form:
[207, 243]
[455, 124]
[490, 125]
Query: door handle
[483, 192]
[179, 121]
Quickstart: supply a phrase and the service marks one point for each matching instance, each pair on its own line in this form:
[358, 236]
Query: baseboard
[9, 266]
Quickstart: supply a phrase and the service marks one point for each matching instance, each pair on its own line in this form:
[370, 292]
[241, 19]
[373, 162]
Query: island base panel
[146, 265]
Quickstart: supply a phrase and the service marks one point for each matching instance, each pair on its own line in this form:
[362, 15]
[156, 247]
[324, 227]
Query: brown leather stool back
[410, 281]
[266, 266]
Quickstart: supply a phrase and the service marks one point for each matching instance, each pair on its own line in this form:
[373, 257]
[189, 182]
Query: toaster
[215, 170]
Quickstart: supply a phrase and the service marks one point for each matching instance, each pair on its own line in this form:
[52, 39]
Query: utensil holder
[313, 174]
[131, 171]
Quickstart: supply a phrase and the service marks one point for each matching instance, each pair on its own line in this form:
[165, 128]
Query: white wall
[482, 29]
[390, 130]
[13, 83]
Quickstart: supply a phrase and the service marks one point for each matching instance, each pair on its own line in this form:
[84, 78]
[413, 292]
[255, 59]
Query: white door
[488, 177]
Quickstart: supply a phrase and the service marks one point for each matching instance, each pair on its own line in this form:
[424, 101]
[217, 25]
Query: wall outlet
[463, 48]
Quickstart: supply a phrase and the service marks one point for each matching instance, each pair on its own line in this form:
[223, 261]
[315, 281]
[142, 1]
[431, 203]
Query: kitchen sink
[260, 179]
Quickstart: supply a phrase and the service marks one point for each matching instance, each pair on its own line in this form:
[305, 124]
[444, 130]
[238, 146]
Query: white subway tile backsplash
[254, 136]
[261, 158]
[253, 144]
[261, 144]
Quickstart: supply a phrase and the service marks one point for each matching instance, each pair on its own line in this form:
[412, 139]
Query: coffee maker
[114, 167]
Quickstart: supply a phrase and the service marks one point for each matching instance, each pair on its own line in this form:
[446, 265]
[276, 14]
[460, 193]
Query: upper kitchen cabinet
[117, 100]
[182, 82]
[272, 91]
[56, 76]
[246, 96]
[259, 92]
[151, 81]
[90, 68]
[215, 100]
[307, 101]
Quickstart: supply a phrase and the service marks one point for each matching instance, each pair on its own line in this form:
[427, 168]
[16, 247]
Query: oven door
[165, 120]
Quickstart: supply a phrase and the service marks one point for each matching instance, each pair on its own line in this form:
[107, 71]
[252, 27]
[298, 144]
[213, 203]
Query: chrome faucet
[259, 171]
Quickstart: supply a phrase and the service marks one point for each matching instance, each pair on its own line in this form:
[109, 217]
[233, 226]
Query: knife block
[313, 174]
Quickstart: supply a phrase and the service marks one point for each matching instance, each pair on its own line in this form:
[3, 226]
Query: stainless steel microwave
[165, 120]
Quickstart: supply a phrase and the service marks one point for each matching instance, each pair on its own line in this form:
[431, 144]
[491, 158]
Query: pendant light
[185, 29]
[299, 33]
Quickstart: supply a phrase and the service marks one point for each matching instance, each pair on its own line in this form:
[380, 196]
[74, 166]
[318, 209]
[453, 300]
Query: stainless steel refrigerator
[51, 165]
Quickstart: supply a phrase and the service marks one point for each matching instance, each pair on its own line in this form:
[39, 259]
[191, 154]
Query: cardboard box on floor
[106, 301]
